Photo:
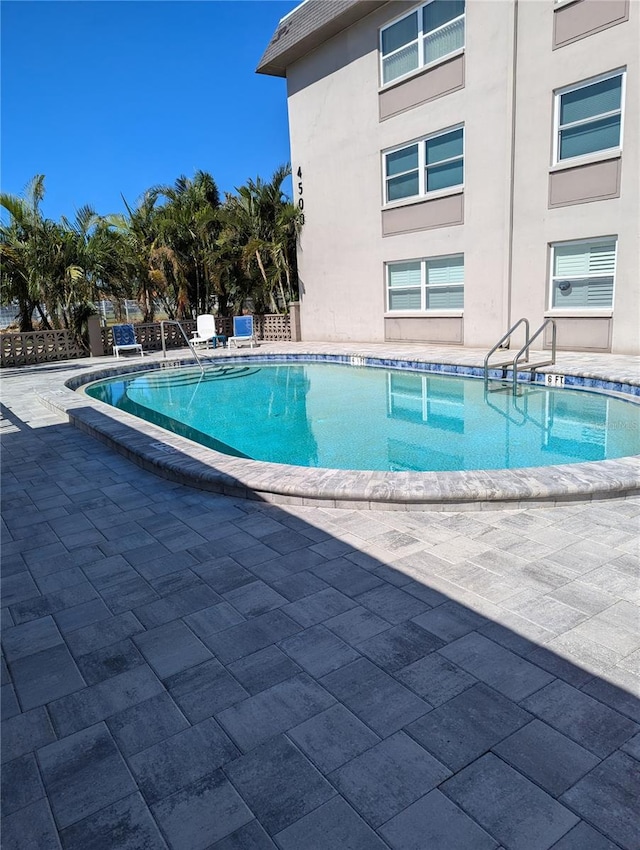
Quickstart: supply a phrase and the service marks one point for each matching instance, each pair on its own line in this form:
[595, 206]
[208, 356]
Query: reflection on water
[329, 415]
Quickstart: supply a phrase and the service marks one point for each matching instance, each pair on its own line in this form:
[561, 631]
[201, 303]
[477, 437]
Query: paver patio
[193, 671]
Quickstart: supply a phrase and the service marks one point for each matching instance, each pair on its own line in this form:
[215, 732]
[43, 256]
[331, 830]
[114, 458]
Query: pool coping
[181, 460]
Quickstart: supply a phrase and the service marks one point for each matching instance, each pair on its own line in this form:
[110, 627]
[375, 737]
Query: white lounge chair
[242, 332]
[206, 332]
[124, 339]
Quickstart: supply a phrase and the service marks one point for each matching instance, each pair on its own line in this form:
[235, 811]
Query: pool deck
[197, 671]
[186, 462]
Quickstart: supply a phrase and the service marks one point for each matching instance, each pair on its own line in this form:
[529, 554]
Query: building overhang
[308, 26]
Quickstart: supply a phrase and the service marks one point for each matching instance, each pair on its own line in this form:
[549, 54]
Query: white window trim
[422, 169]
[586, 311]
[420, 39]
[438, 312]
[593, 155]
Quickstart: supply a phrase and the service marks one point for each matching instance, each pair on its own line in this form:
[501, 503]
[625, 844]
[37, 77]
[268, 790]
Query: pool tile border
[181, 460]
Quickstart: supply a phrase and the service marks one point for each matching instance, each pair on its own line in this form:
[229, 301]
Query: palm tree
[23, 241]
[188, 226]
[263, 225]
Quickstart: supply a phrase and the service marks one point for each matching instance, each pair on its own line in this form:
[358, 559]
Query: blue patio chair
[206, 332]
[124, 339]
[242, 331]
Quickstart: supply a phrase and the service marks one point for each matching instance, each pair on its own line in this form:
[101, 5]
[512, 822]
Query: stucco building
[463, 164]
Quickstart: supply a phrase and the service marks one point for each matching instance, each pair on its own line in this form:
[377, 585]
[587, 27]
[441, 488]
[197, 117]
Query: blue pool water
[345, 417]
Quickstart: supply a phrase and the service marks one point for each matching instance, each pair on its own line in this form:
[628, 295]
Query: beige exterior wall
[341, 120]
[536, 225]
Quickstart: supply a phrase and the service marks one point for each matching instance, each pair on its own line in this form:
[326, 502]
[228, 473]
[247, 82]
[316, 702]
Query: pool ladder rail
[519, 363]
[186, 339]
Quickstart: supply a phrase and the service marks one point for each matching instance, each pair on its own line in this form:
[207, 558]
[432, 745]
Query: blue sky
[109, 97]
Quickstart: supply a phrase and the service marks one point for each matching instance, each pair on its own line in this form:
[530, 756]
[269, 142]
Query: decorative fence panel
[22, 349]
[149, 336]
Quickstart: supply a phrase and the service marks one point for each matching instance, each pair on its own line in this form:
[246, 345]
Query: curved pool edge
[183, 461]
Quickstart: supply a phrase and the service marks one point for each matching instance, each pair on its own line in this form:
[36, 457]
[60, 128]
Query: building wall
[341, 120]
[536, 223]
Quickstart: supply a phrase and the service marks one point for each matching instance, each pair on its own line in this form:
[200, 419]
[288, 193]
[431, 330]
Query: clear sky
[109, 97]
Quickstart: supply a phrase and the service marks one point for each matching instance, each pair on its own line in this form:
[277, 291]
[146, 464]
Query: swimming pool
[335, 416]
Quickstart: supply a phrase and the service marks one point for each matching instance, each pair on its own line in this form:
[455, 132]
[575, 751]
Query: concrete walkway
[194, 671]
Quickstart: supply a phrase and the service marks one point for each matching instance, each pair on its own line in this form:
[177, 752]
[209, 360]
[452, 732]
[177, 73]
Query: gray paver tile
[130, 593]
[347, 577]
[530, 751]
[285, 540]
[450, 621]
[204, 690]
[146, 723]
[584, 837]
[318, 650]
[287, 565]
[332, 825]
[177, 604]
[249, 837]
[31, 637]
[385, 779]
[333, 737]
[45, 676]
[299, 585]
[83, 773]
[318, 607]
[201, 813]
[392, 604]
[255, 598]
[375, 697]
[262, 669]
[97, 702]
[171, 648]
[279, 784]
[30, 828]
[109, 661]
[502, 669]
[400, 646]
[590, 723]
[274, 710]
[223, 574]
[18, 587]
[216, 618]
[509, 807]
[40, 606]
[21, 784]
[468, 725]
[632, 747]
[178, 761]
[434, 821]
[81, 615]
[126, 824]
[435, 678]
[245, 638]
[58, 581]
[8, 702]
[607, 797]
[25, 732]
[560, 667]
[357, 625]
[98, 635]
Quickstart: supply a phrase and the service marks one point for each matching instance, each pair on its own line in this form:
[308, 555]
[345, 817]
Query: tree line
[180, 247]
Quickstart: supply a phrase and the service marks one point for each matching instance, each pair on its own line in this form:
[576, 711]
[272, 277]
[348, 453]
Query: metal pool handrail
[186, 339]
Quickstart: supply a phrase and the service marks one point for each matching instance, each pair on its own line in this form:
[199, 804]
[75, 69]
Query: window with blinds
[433, 163]
[435, 283]
[589, 117]
[426, 35]
[583, 274]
